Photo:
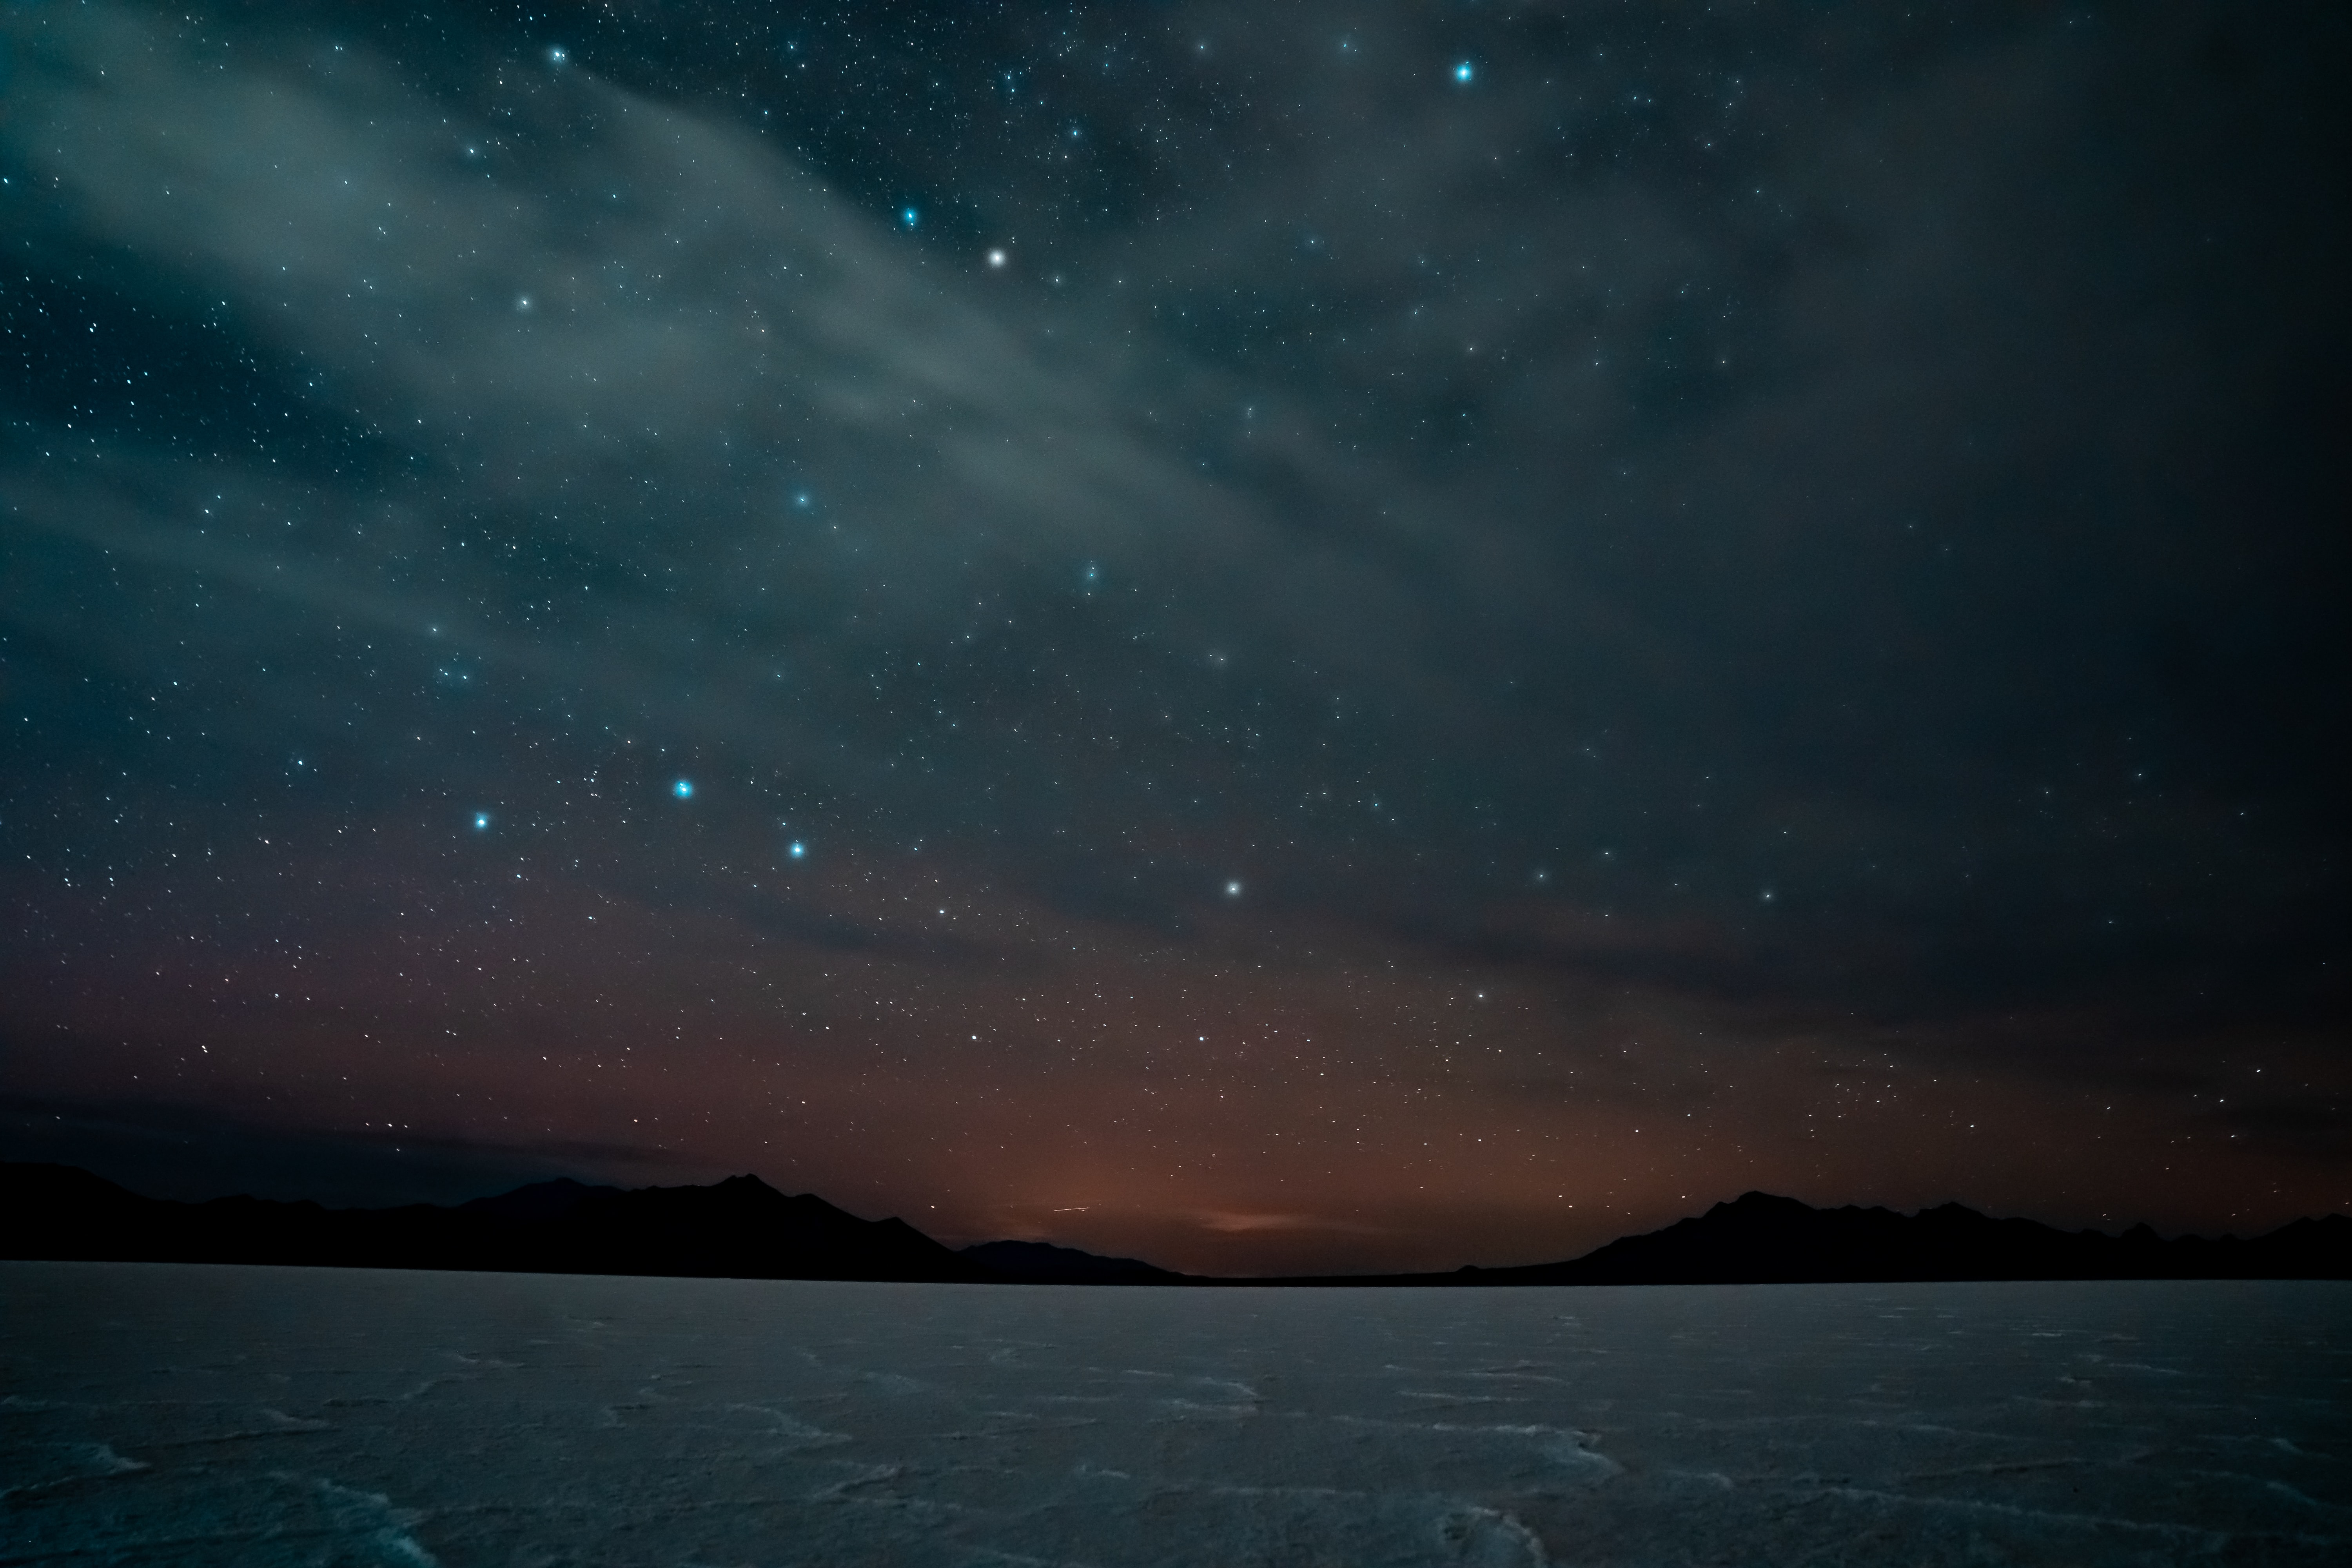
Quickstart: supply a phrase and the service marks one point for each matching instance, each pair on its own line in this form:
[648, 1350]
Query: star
[1502, 547]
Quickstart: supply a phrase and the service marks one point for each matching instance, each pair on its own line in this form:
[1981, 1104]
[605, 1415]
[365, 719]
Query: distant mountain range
[1043, 1263]
[1761, 1239]
[739, 1228]
[743, 1228]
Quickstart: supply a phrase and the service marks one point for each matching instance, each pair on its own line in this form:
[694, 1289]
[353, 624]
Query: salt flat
[183, 1415]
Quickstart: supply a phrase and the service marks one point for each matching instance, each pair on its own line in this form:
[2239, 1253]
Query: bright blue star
[1463, 73]
[798, 850]
[481, 820]
[683, 789]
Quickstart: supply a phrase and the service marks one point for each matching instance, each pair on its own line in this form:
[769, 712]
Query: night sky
[1273, 637]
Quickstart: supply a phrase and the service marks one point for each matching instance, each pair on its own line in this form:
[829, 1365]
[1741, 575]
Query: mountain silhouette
[1043, 1263]
[743, 1228]
[1761, 1239]
[739, 1228]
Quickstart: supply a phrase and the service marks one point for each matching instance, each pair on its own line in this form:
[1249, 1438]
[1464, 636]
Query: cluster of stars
[1220, 473]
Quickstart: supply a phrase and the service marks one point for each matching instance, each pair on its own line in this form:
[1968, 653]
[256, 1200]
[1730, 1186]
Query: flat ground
[156, 1413]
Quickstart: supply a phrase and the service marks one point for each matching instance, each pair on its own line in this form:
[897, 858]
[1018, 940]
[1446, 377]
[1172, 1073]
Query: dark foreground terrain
[174, 1414]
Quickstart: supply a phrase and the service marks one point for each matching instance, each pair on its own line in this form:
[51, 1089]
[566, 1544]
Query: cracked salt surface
[156, 1413]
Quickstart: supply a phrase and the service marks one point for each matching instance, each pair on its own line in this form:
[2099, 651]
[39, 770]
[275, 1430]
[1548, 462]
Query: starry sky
[1275, 636]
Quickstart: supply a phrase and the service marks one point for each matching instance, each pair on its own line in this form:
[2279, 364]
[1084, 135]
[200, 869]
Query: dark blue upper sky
[1278, 636]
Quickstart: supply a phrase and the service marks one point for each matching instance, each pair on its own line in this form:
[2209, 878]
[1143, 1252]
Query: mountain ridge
[742, 1228]
[737, 1228]
[1761, 1238]
[1046, 1263]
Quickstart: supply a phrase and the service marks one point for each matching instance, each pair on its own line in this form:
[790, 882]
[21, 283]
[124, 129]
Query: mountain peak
[1756, 1201]
[737, 1228]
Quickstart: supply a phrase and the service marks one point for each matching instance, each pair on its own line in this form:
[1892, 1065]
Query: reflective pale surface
[154, 1414]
